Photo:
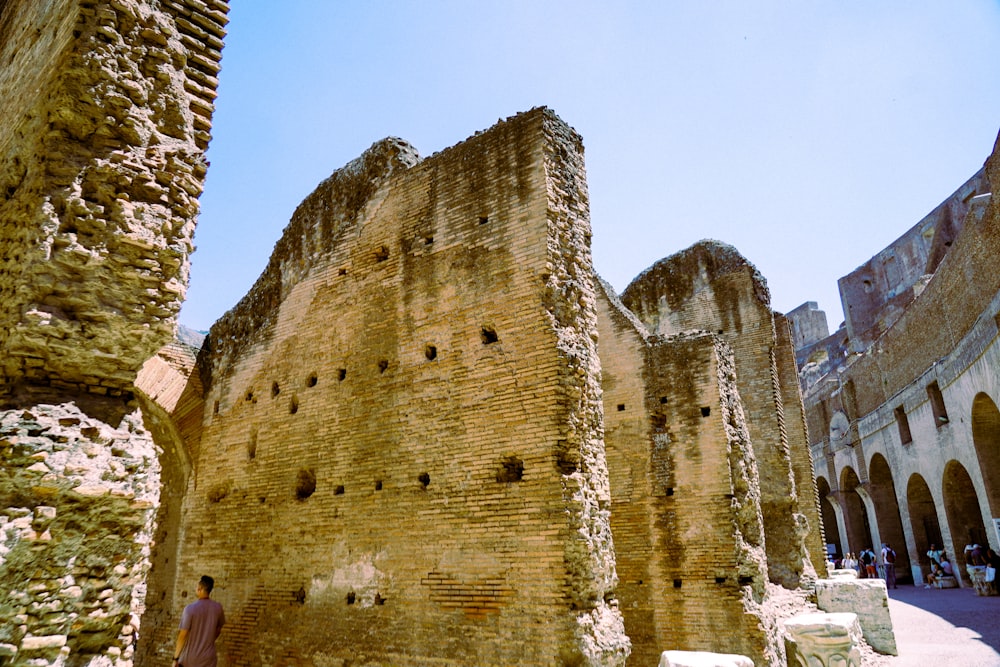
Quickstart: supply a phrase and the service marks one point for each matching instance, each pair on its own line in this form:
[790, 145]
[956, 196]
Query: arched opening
[855, 515]
[961, 506]
[828, 514]
[890, 526]
[986, 437]
[924, 524]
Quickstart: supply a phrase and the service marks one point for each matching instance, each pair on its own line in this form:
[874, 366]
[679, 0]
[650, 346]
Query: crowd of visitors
[981, 564]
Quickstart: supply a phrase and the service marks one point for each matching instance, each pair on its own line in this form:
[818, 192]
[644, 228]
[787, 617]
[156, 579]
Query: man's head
[206, 584]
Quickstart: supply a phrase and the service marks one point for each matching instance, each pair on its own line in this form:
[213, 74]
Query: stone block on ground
[703, 659]
[823, 640]
[868, 599]
[844, 574]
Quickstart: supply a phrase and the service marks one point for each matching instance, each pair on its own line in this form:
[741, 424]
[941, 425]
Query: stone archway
[961, 506]
[986, 437]
[855, 513]
[890, 527]
[831, 516]
[924, 525]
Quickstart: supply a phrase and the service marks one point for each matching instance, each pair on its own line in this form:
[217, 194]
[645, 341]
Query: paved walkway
[944, 628]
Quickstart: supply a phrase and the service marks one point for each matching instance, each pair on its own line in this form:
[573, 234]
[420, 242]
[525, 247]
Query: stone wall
[809, 325]
[877, 293]
[685, 492]
[106, 112]
[77, 503]
[903, 435]
[107, 109]
[401, 457]
[711, 287]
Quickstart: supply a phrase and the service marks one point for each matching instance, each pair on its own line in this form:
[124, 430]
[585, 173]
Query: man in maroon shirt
[201, 624]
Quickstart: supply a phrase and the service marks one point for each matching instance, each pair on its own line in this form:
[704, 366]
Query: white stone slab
[703, 659]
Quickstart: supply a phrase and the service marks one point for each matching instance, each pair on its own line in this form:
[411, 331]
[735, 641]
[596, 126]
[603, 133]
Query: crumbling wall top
[315, 227]
[661, 294]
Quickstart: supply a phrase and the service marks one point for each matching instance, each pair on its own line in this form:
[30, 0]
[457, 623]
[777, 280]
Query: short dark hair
[207, 582]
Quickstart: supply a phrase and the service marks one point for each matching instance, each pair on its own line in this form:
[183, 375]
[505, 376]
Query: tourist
[849, 562]
[867, 559]
[935, 555]
[889, 565]
[201, 624]
[935, 576]
[992, 563]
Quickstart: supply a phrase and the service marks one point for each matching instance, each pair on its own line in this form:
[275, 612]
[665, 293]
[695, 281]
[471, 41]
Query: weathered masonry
[401, 457]
[105, 112]
[428, 435]
[409, 450]
[706, 448]
[902, 401]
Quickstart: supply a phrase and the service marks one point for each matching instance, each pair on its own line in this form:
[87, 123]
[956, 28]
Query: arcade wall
[910, 420]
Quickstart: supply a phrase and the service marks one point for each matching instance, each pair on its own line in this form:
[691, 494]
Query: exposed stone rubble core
[100, 171]
[77, 501]
[106, 110]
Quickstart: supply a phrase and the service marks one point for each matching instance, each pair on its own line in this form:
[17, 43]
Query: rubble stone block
[868, 599]
[844, 574]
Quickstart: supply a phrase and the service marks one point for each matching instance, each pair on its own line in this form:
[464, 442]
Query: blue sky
[808, 135]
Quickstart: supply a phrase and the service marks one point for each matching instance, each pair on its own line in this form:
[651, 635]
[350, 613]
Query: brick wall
[685, 494]
[798, 444]
[876, 293]
[711, 287]
[106, 117]
[401, 458]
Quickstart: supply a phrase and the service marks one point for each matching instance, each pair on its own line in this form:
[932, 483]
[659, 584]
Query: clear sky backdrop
[809, 135]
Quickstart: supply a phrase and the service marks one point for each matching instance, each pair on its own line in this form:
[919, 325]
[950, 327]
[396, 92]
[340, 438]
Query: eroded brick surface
[408, 404]
[107, 109]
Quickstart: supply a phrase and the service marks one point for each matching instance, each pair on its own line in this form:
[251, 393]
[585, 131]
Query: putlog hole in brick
[511, 470]
[306, 484]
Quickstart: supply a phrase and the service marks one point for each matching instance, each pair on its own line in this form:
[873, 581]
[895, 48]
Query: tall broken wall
[877, 293]
[106, 110]
[711, 287]
[685, 494]
[401, 458]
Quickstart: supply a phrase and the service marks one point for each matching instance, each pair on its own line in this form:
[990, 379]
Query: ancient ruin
[106, 110]
[453, 422]
[429, 434]
[902, 399]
